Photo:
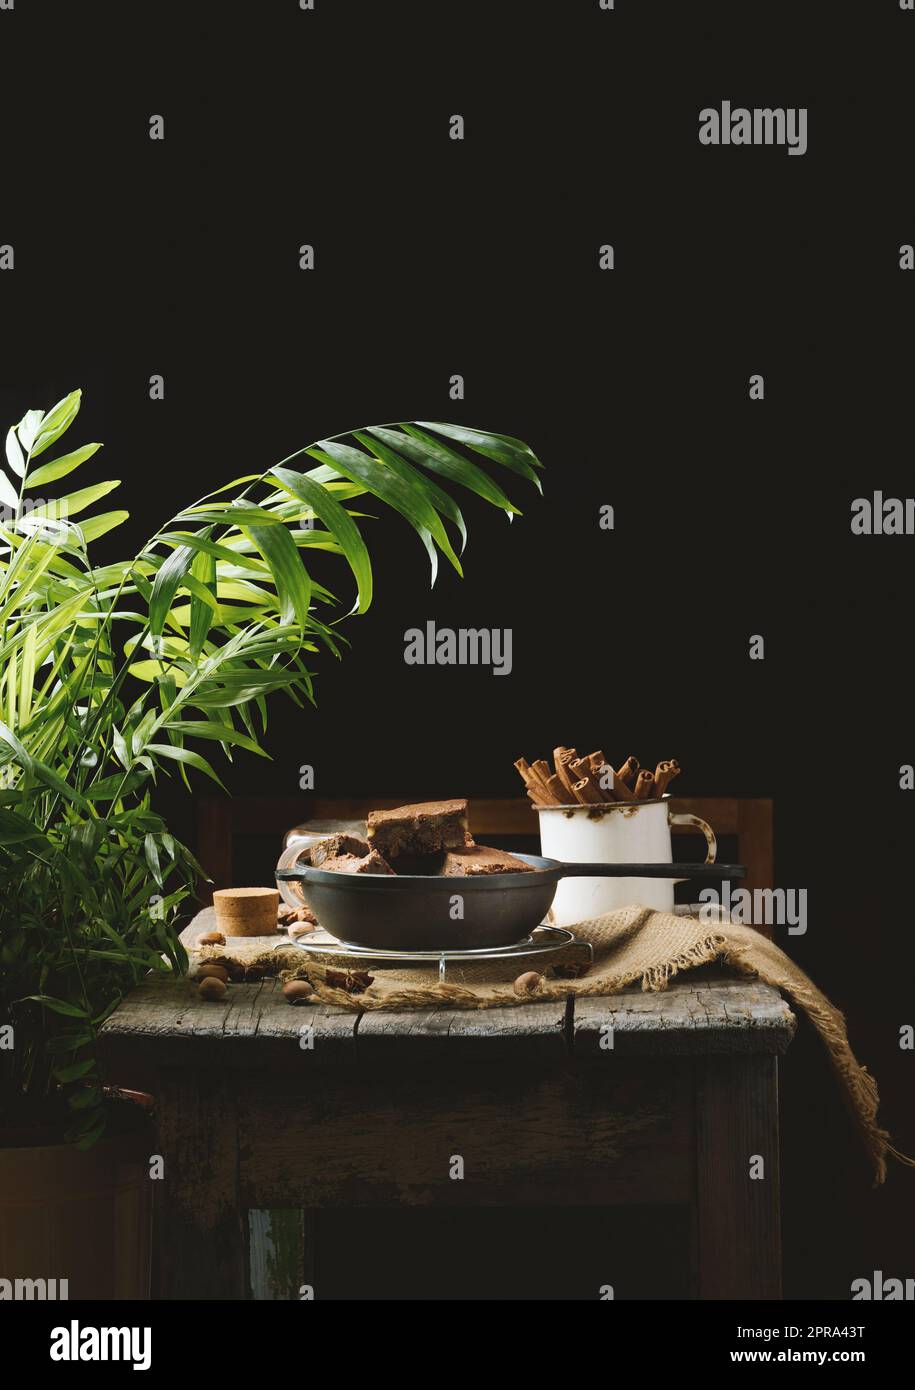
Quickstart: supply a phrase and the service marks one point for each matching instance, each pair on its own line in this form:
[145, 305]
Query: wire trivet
[537, 943]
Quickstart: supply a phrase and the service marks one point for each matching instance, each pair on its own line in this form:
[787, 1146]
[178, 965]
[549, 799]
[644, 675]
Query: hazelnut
[212, 938]
[299, 929]
[211, 988]
[528, 983]
[297, 992]
[213, 971]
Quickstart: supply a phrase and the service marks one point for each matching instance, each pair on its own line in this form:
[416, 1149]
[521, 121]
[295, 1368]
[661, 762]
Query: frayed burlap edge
[657, 977]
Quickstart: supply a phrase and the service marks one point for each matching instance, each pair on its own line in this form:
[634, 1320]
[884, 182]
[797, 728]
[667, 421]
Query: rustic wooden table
[262, 1105]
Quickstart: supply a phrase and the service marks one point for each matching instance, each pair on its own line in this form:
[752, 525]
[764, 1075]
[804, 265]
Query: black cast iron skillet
[415, 912]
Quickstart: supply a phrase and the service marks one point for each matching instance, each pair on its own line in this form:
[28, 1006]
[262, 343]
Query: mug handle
[683, 818]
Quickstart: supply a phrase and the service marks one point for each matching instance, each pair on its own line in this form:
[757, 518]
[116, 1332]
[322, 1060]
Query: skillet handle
[682, 872]
[290, 875]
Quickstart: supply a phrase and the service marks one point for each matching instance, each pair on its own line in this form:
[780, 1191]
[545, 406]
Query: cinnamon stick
[621, 789]
[566, 773]
[535, 787]
[577, 794]
[667, 771]
[586, 792]
[543, 770]
[661, 777]
[557, 791]
[582, 769]
[644, 787]
[628, 773]
[538, 773]
[599, 768]
[561, 758]
[523, 768]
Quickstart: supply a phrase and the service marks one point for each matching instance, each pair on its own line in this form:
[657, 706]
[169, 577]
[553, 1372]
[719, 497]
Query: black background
[436, 257]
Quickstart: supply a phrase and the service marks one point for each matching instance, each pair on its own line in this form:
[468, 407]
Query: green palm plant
[114, 674]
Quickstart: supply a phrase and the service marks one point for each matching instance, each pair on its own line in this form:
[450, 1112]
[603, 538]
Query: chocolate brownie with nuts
[474, 860]
[332, 847]
[421, 828]
[371, 863]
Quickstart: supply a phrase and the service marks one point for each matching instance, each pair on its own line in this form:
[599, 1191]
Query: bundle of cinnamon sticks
[575, 781]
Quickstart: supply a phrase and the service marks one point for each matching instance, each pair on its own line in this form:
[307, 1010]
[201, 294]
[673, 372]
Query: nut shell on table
[212, 989]
[298, 992]
[213, 971]
[528, 983]
[289, 916]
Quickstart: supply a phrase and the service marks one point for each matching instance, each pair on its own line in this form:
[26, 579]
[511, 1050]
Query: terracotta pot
[80, 1216]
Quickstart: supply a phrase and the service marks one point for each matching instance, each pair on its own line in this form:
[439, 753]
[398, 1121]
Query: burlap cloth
[632, 946]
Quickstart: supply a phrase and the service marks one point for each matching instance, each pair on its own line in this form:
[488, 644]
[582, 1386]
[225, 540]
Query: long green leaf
[75, 1071]
[440, 459]
[338, 521]
[116, 786]
[222, 733]
[202, 583]
[183, 755]
[293, 585]
[440, 499]
[14, 829]
[429, 490]
[100, 525]
[37, 768]
[501, 448]
[27, 674]
[151, 851]
[165, 586]
[209, 547]
[60, 467]
[59, 1006]
[9, 497]
[14, 455]
[404, 497]
[28, 428]
[58, 419]
[229, 514]
[75, 502]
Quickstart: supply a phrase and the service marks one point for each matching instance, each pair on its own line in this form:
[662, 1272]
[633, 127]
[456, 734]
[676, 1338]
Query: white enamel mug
[616, 832]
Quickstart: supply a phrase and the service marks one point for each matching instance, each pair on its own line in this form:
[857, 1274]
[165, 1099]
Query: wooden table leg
[737, 1215]
[203, 1246]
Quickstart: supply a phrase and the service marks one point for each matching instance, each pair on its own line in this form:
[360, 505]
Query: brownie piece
[426, 865]
[332, 847]
[422, 828]
[371, 863]
[480, 859]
